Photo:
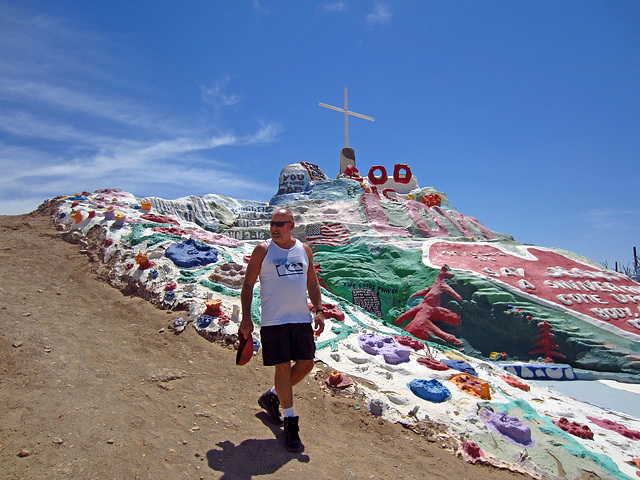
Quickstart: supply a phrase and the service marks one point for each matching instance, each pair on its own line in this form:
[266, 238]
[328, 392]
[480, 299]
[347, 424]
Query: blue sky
[526, 114]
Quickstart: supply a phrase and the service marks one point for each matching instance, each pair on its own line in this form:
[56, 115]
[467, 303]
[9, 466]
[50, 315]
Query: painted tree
[546, 345]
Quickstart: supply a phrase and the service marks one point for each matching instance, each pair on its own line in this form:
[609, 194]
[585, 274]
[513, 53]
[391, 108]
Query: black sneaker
[270, 402]
[291, 438]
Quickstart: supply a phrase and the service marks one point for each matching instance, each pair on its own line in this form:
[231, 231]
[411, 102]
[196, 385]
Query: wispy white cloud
[216, 96]
[24, 124]
[62, 135]
[381, 14]
[267, 133]
[123, 158]
[41, 47]
[610, 219]
[333, 7]
[179, 164]
[35, 96]
[261, 9]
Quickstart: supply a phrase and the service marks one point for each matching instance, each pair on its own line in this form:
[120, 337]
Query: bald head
[282, 214]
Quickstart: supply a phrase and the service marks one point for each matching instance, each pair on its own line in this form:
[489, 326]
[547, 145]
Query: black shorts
[283, 343]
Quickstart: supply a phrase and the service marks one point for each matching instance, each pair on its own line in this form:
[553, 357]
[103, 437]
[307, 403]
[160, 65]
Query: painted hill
[377, 249]
[380, 243]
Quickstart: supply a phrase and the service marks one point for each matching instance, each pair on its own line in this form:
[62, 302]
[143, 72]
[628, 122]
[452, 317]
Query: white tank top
[283, 285]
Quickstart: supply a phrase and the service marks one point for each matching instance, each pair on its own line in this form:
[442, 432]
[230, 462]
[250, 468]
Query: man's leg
[286, 376]
[282, 382]
[301, 369]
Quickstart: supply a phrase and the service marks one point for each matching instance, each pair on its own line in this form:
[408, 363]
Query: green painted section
[491, 322]
[395, 274]
[136, 237]
[342, 332]
[493, 318]
[256, 305]
[190, 276]
[220, 288]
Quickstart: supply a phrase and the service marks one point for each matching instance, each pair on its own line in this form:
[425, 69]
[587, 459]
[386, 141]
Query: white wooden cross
[346, 112]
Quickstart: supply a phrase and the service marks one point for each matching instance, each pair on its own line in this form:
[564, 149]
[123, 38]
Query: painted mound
[382, 254]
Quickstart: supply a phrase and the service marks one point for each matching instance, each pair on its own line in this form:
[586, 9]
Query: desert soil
[93, 385]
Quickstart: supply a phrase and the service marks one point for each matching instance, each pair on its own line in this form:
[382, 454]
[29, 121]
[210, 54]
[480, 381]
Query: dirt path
[92, 387]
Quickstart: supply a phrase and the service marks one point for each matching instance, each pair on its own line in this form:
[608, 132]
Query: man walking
[285, 268]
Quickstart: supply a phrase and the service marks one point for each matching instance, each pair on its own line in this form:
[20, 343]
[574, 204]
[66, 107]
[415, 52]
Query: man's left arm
[313, 287]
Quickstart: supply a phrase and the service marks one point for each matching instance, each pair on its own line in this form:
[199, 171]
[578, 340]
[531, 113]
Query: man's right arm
[250, 278]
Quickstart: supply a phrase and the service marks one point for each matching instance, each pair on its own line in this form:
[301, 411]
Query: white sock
[273, 390]
[288, 412]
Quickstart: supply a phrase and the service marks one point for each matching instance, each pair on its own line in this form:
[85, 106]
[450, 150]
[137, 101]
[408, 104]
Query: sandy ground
[93, 385]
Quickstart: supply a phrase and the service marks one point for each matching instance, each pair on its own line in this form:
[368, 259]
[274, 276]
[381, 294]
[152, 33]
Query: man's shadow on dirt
[253, 457]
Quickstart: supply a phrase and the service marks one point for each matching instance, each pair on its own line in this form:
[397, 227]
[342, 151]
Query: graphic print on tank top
[289, 266]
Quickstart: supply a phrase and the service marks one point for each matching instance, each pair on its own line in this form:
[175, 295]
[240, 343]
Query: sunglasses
[279, 224]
